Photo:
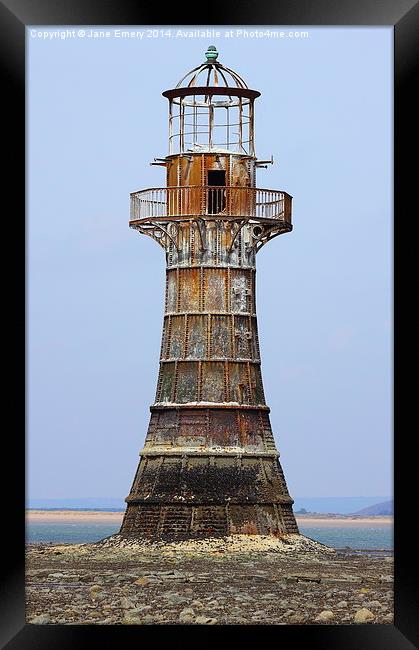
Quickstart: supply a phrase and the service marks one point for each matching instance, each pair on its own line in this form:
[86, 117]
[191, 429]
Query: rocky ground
[233, 581]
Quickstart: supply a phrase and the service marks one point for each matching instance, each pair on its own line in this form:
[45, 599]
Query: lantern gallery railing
[198, 200]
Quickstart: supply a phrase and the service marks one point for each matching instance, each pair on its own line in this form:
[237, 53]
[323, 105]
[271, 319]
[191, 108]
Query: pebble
[386, 579]
[175, 599]
[187, 615]
[326, 615]
[213, 603]
[137, 620]
[358, 596]
[295, 619]
[147, 619]
[363, 616]
[126, 603]
[204, 620]
[197, 604]
[41, 619]
[106, 621]
[133, 617]
[96, 592]
[351, 578]
[342, 604]
[373, 604]
[72, 611]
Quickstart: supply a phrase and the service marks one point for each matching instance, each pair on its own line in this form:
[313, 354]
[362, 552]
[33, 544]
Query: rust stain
[189, 287]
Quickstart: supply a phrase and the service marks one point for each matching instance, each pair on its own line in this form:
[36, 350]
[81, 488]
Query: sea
[374, 537]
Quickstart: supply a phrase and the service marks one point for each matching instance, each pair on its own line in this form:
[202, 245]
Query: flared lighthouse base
[176, 522]
[181, 497]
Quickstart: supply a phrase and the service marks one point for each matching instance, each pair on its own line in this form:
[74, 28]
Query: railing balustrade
[205, 200]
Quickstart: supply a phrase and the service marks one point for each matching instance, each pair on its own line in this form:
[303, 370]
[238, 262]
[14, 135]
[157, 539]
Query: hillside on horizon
[384, 508]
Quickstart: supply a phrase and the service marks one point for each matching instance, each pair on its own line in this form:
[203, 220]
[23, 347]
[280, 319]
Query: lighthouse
[209, 466]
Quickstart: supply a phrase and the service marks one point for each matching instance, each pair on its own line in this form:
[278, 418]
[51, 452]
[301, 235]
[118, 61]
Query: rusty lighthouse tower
[209, 465]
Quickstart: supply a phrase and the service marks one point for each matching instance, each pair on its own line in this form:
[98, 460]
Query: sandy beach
[92, 516]
[331, 522]
[73, 516]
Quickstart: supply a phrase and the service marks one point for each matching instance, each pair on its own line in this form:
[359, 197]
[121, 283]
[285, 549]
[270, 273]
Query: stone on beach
[187, 615]
[205, 620]
[363, 616]
[325, 616]
[41, 619]
[96, 592]
[126, 603]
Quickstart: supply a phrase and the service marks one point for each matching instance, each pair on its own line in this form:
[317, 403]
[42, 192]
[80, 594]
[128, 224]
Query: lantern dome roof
[211, 78]
[211, 73]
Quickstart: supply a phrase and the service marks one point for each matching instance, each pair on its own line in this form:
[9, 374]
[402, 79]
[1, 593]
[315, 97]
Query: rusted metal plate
[243, 337]
[171, 291]
[145, 481]
[257, 387]
[197, 337]
[176, 337]
[220, 337]
[249, 430]
[166, 381]
[164, 430]
[213, 382]
[186, 382]
[210, 521]
[215, 290]
[224, 432]
[240, 292]
[255, 339]
[239, 383]
[189, 289]
[193, 429]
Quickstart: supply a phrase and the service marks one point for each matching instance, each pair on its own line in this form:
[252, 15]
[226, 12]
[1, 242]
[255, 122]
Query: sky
[95, 120]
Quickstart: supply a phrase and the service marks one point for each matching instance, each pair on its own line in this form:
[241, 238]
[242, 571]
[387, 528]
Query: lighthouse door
[216, 182]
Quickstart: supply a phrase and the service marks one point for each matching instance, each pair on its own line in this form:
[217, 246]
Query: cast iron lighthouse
[209, 465]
